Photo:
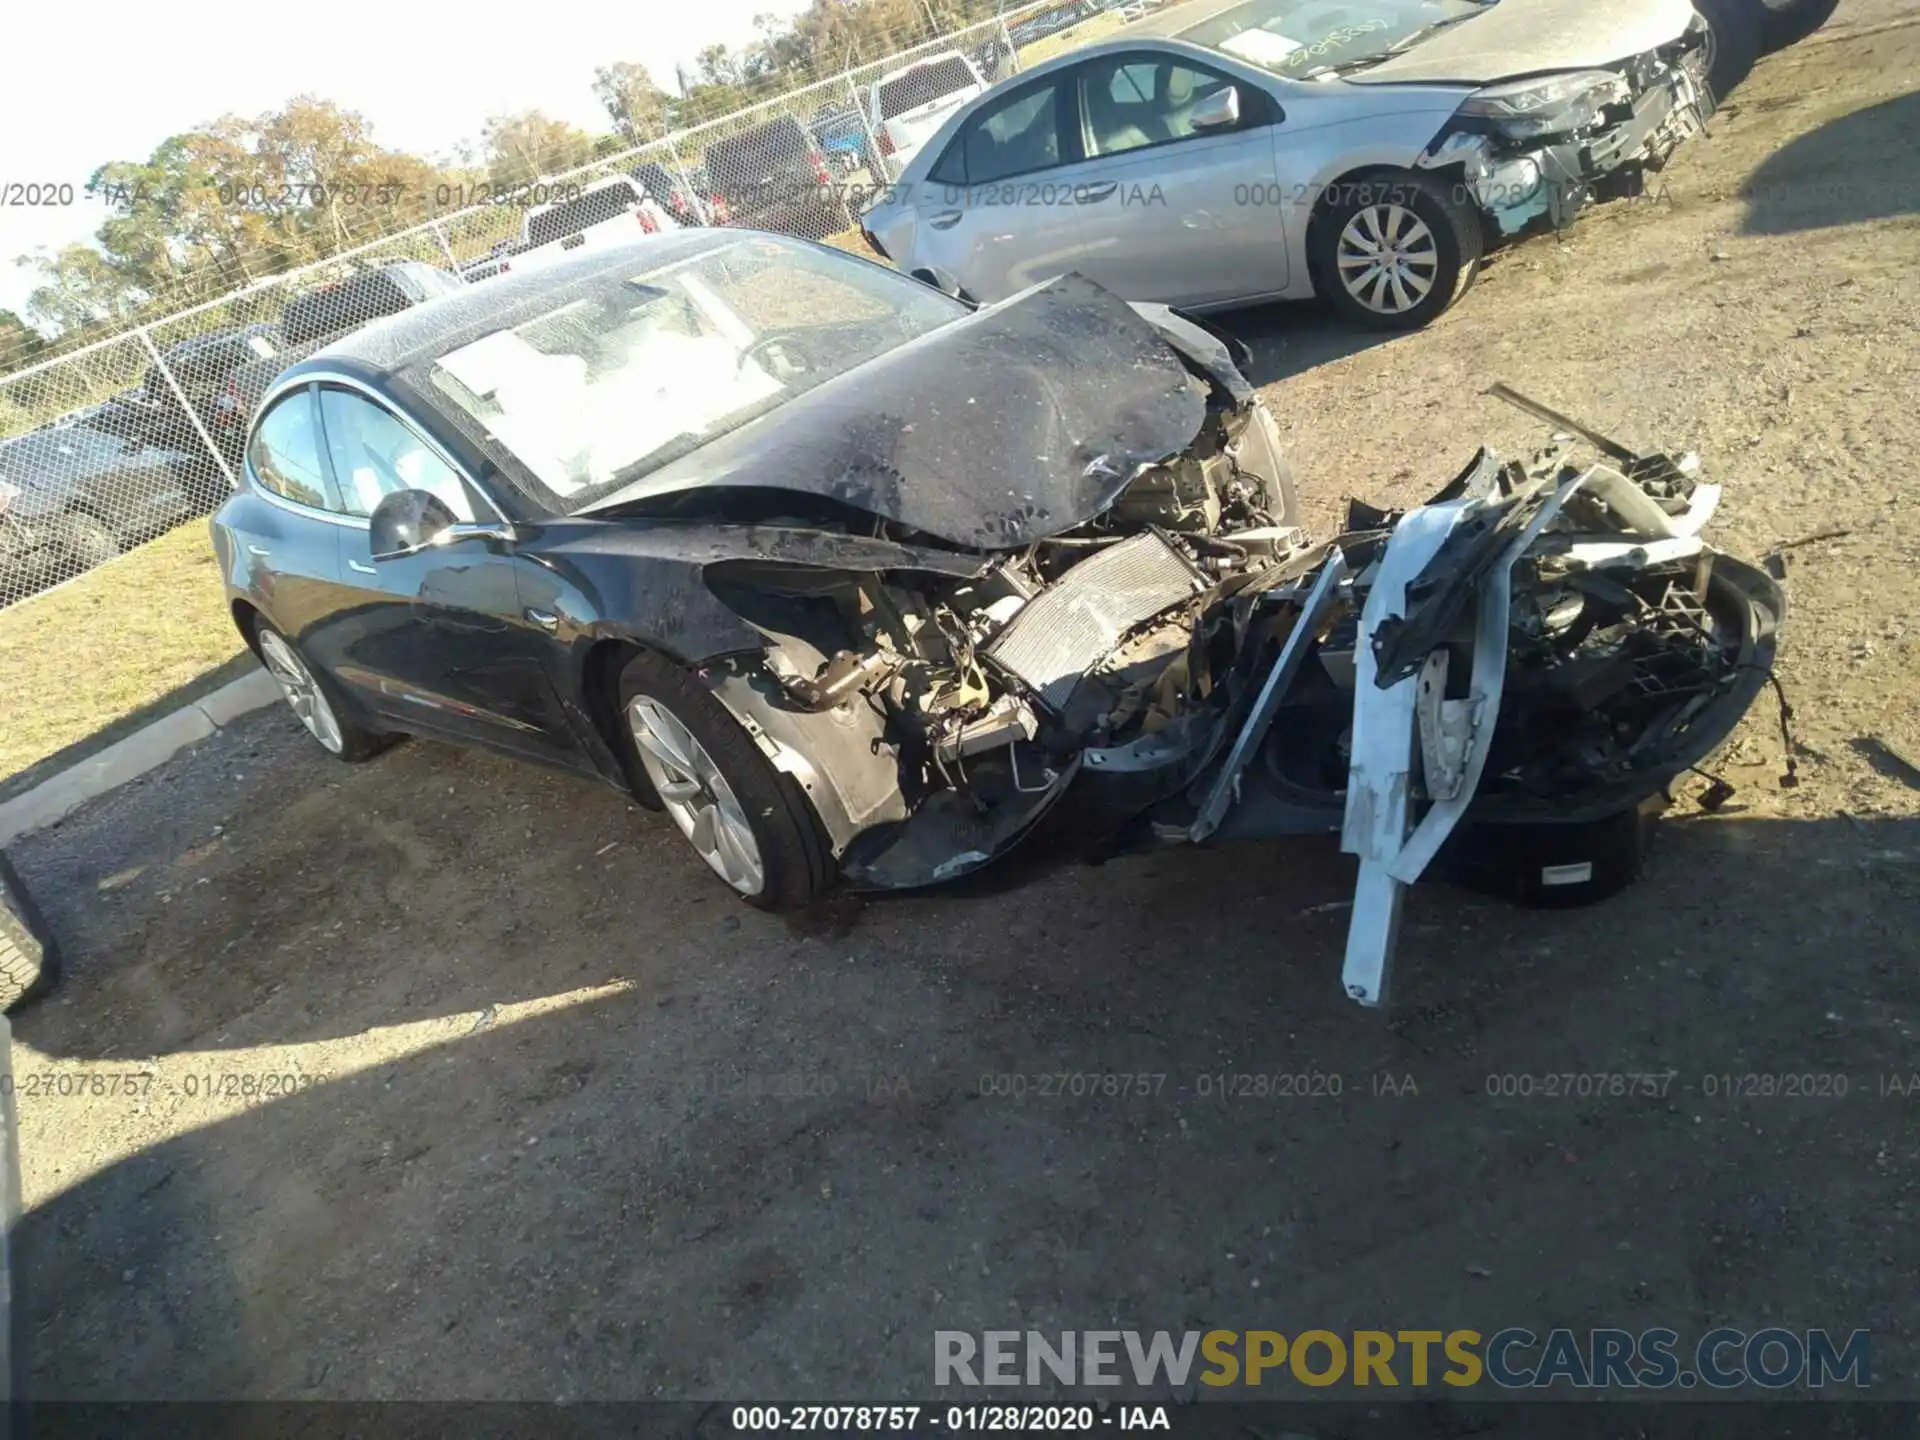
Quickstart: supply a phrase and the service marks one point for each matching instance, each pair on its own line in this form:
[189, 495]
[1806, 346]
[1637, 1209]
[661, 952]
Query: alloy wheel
[1388, 258]
[696, 794]
[302, 691]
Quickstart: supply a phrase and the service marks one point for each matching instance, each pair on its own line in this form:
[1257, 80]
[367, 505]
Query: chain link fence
[110, 446]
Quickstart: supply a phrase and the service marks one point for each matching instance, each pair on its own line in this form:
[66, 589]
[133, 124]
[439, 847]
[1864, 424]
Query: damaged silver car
[1221, 152]
[857, 583]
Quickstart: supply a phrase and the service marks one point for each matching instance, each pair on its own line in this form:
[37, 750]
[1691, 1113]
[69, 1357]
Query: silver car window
[1134, 101]
[1019, 135]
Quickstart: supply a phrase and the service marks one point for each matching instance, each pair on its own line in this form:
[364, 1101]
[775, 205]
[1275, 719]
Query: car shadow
[1292, 338]
[1858, 167]
[627, 1198]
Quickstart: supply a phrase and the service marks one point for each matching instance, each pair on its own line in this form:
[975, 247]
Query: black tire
[1734, 39]
[356, 741]
[1440, 207]
[29, 961]
[86, 541]
[1550, 866]
[1788, 22]
[796, 864]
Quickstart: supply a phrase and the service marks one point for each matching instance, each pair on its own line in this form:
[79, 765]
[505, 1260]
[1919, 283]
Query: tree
[83, 287]
[19, 342]
[521, 148]
[639, 108]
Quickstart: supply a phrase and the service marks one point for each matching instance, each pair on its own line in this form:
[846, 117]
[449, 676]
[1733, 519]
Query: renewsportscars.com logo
[1509, 1359]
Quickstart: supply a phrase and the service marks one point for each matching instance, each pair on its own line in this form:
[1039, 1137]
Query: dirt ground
[565, 1121]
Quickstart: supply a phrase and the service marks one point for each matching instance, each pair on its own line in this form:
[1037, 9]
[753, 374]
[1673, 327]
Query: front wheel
[1731, 46]
[313, 700]
[86, 541]
[1394, 251]
[750, 823]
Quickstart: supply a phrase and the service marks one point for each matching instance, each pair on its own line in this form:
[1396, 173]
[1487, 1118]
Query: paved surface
[465, 1080]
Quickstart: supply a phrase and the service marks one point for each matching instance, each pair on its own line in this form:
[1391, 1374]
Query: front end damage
[1532, 153]
[1547, 642]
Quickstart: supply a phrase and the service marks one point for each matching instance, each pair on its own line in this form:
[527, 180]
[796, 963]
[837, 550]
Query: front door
[1166, 211]
[439, 641]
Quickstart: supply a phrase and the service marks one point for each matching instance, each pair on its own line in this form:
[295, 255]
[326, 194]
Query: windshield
[1300, 38]
[603, 389]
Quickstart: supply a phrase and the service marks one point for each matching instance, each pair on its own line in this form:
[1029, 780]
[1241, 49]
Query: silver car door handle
[1094, 193]
[257, 552]
[363, 569]
[545, 619]
[945, 220]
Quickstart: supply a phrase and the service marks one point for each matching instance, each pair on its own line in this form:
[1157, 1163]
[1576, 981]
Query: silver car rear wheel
[303, 693]
[1388, 259]
[696, 794]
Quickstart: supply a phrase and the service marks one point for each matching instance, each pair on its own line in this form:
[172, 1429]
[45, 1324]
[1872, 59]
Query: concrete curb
[147, 748]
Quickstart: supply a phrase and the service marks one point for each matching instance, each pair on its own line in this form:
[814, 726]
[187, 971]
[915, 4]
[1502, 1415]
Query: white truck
[909, 104]
[607, 212]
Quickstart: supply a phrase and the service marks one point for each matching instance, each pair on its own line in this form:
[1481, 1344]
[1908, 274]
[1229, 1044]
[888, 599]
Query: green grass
[78, 658]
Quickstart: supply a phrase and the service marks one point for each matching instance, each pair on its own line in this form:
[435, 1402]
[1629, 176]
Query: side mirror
[1218, 111]
[407, 522]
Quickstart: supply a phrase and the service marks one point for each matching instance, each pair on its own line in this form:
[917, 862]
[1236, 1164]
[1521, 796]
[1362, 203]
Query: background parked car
[1210, 157]
[607, 212]
[842, 134]
[684, 197]
[78, 492]
[775, 176]
[201, 367]
[310, 321]
[908, 105]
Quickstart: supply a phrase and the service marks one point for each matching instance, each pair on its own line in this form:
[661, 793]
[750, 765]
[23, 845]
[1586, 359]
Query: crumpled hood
[1019, 421]
[1515, 38]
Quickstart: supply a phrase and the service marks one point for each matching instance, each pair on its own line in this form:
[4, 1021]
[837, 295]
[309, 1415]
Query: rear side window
[595, 207]
[285, 454]
[1018, 135]
[923, 84]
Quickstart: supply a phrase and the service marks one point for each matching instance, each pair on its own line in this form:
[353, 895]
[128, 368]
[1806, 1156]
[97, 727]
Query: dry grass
[81, 656]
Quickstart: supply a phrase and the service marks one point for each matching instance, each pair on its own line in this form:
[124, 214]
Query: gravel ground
[465, 1080]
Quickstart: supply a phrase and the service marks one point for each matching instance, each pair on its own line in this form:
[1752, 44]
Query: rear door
[283, 529]
[994, 212]
[439, 640]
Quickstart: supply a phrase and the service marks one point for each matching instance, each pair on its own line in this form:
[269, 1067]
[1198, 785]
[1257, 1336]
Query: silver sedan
[1228, 151]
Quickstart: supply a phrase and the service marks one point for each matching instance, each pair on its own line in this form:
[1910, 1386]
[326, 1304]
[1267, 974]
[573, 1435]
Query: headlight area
[1550, 106]
[1533, 152]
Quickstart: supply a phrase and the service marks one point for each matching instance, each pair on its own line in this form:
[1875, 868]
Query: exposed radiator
[1078, 621]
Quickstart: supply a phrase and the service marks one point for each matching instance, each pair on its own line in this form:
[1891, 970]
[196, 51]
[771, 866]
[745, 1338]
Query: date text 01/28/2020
[1001, 1419]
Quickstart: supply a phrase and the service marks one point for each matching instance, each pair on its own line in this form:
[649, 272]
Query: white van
[909, 104]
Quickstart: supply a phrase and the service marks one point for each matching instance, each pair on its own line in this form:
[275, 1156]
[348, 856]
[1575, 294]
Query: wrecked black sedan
[855, 581]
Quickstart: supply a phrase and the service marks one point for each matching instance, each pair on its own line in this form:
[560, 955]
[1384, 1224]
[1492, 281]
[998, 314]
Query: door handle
[1093, 194]
[257, 552]
[945, 220]
[545, 619]
[363, 569]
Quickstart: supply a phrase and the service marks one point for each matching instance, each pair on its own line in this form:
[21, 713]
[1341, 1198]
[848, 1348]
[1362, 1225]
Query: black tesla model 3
[854, 579]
